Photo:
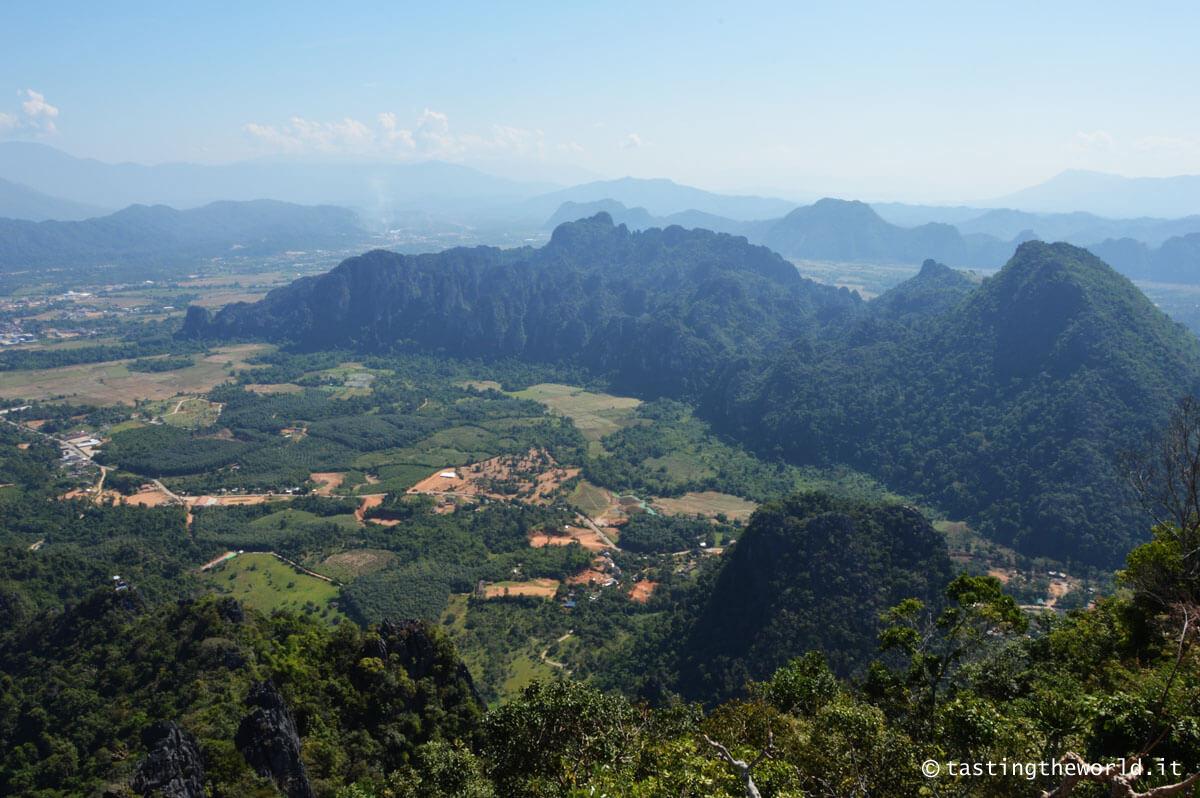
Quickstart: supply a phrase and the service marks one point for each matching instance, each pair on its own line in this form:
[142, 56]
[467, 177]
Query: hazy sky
[942, 101]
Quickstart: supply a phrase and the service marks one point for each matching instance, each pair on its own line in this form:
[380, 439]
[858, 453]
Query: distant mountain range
[374, 188]
[143, 235]
[829, 229]
[38, 182]
[1164, 250]
[838, 230]
[18, 201]
[1109, 195]
[1176, 261]
[661, 197]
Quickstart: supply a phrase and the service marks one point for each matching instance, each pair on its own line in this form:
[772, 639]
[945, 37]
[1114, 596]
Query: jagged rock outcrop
[413, 646]
[173, 768]
[268, 739]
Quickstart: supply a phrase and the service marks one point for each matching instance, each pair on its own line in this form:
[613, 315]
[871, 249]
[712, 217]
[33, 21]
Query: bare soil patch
[148, 498]
[369, 501]
[328, 481]
[532, 477]
[536, 588]
[642, 590]
[231, 501]
[568, 535]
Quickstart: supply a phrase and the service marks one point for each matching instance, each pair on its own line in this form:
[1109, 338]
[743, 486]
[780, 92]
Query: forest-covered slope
[1012, 407]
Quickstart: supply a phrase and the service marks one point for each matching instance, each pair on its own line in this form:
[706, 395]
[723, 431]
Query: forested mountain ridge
[596, 293]
[1006, 404]
[1011, 408]
[82, 685]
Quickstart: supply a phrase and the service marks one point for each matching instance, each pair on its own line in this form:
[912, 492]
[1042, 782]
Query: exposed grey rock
[268, 739]
[173, 768]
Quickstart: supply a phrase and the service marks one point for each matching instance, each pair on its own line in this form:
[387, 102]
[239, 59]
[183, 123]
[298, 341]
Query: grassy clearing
[185, 412]
[290, 519]
[594, 414]
[589, 499]
[683, 466]
[525, 669]
[262, 582]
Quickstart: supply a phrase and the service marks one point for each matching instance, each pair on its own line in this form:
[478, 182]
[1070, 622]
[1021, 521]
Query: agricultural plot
[533, 588]
[268, 389]
[346, 566]
[709, 504]
[113, 383]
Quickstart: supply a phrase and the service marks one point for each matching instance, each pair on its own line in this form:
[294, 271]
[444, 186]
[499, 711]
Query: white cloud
[394, 134]
[1094, 140]
[36, 115]
[429, 136]
[301, 135]
[631, 142]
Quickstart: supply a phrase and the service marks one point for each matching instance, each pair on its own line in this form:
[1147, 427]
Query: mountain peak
[935, 289]
[931, 268]
[1058, 308]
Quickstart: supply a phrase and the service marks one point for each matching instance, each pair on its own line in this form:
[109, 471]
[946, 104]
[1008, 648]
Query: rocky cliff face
[593, 295]
[268, 739]
[173, 768]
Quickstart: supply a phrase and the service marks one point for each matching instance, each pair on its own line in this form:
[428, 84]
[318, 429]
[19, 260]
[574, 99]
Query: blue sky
[923, 101]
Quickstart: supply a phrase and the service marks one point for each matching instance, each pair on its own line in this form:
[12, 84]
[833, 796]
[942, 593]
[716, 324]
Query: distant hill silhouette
[18, 201]
[1109, 195]
[660, 197]
[1176, 261]
[155, 235]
